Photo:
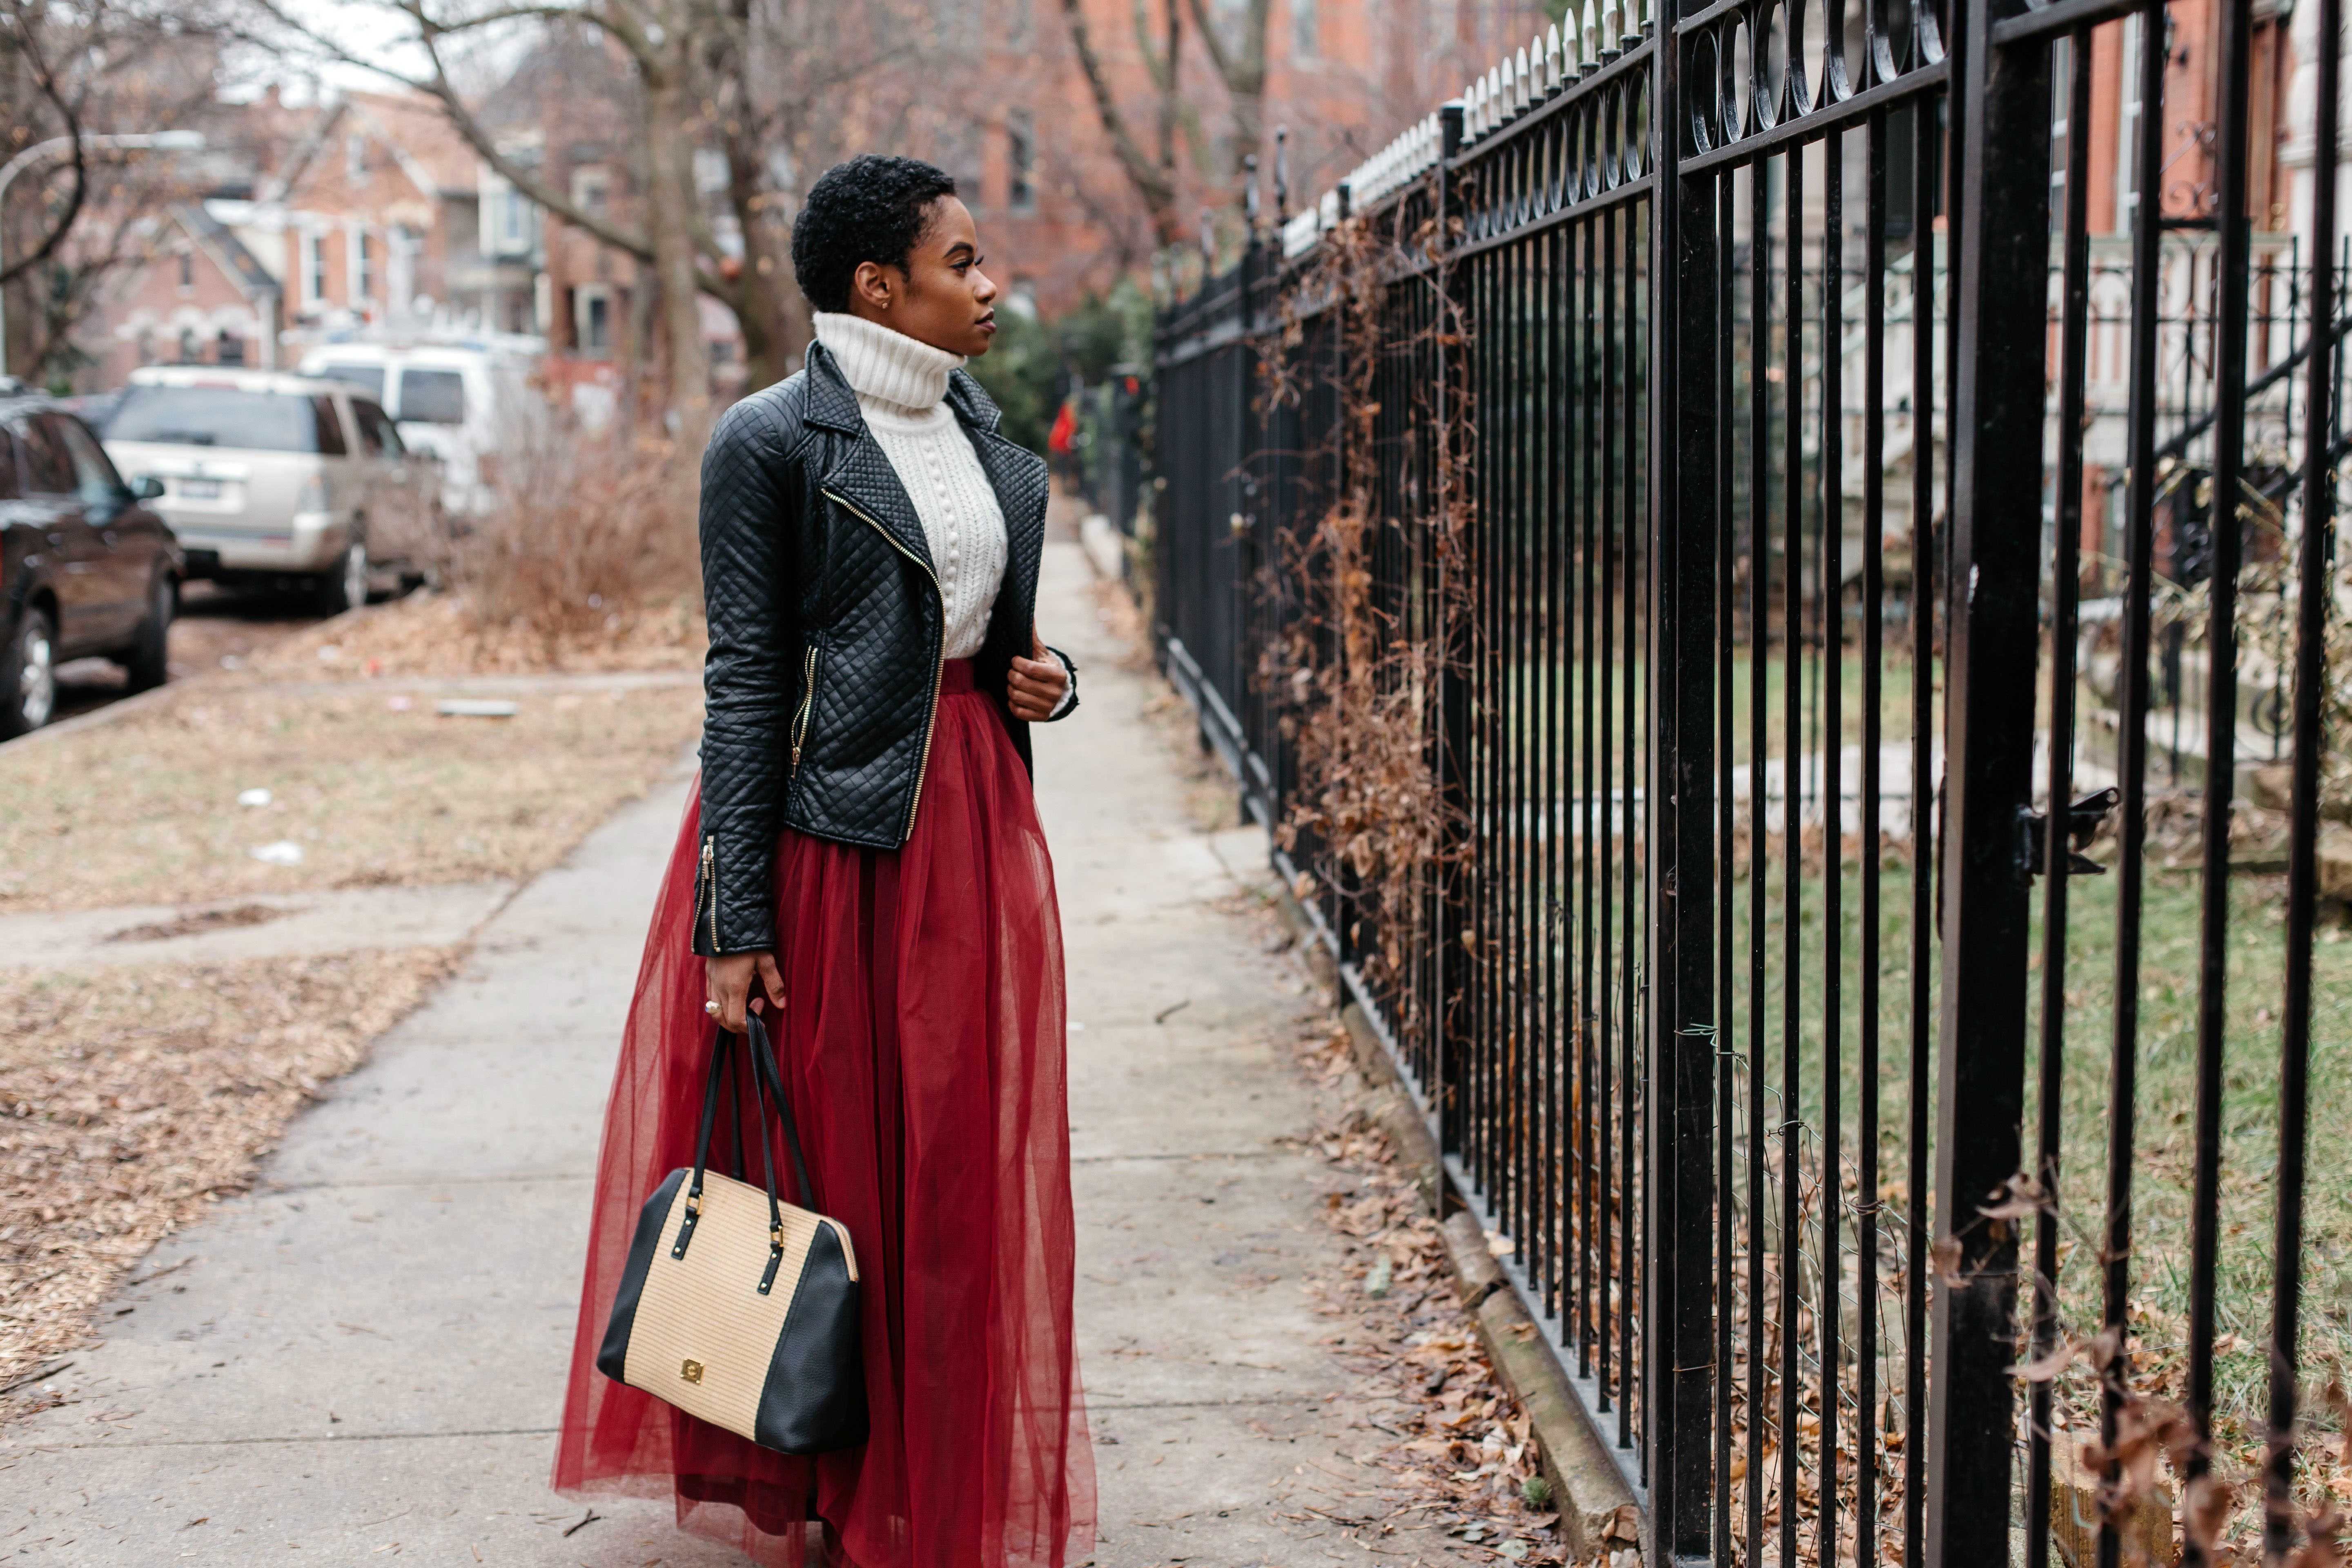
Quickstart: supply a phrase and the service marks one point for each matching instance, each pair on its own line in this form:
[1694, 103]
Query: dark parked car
[86, 566]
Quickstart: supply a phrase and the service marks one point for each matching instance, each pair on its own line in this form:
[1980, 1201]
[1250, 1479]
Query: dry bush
[590, 531]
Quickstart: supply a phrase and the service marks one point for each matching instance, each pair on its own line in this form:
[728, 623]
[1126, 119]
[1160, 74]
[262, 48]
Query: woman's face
[942, 298]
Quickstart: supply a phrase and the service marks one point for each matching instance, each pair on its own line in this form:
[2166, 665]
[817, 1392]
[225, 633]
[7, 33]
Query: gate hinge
[2083, 820]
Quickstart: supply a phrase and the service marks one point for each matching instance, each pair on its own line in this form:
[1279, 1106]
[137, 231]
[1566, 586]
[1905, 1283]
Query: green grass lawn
[1534, 689]
[2164, 1122]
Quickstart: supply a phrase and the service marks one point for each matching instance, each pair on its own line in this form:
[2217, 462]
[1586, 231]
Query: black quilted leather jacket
[822, 681]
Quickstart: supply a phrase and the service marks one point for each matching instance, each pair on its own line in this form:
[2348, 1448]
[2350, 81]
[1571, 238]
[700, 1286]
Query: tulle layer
[922, 1044]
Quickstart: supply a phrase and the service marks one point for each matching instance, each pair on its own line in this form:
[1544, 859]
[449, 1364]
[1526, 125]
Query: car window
[434, 396]
[217, 416]
[48, 468]
[377, 433]
[9, 490]
[370, 376]
[94, 475]
[331, 429]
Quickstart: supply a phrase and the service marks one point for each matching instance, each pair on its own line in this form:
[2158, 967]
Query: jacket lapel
[1023, 485]
[861, 473]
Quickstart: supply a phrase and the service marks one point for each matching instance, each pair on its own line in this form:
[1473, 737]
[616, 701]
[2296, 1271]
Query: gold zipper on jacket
[938, 668]
[710, 876]
[808, 695]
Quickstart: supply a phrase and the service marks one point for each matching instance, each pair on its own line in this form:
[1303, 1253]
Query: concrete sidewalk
[363, 1358]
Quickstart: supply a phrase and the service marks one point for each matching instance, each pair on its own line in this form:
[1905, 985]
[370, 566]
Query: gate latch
[2083, 820]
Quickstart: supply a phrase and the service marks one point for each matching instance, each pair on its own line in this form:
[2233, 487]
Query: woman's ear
[871, 283]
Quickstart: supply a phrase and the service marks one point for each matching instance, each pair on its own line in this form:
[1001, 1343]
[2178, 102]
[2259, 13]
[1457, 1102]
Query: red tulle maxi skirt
[921, 1042]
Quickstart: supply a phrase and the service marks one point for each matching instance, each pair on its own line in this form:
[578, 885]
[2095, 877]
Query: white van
[456, 404]
[279, 475]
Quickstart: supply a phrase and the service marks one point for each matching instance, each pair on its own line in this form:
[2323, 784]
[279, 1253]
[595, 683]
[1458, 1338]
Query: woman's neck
[887, 366]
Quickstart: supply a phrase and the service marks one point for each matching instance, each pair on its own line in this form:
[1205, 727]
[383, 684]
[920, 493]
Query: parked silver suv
[282, 476]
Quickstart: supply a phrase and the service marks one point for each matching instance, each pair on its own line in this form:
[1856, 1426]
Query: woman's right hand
[730, 980]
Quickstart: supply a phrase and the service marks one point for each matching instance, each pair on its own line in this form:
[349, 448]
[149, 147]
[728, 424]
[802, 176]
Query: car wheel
[346, 587]
[29, 674]
[149, 663]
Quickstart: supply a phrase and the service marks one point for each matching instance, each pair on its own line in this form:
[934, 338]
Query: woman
[864, 864]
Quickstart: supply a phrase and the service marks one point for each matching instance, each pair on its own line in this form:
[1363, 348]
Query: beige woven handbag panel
[704, 1335]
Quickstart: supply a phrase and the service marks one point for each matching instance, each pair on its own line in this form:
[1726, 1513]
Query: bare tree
[1154, 182]
[69, 71]
[1240, 65]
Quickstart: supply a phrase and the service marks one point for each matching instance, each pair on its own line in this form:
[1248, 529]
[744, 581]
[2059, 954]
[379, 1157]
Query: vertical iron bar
[1792, 850]
[1760, 644]
[1611, 852]
[1830, 591]
[1874, 581]
[1679, 1304]
[2065, 590]
[2131, 743]
[1726, 868]
[1926, 155]
[2235, 76]
[2003, 260]
[2313, 555]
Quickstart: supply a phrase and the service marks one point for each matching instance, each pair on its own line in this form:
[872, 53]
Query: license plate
[197, 489]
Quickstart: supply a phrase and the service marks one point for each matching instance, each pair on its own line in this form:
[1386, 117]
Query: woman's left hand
[1035, 685]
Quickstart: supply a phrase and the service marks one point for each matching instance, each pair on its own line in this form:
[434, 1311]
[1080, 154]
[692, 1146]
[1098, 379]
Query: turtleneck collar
[885, 366]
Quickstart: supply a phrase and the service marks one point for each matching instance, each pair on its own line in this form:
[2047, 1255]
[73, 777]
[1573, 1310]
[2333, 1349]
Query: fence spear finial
[1591, 38]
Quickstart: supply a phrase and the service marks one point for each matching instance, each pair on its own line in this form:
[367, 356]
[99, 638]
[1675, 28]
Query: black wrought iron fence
[1797, 686]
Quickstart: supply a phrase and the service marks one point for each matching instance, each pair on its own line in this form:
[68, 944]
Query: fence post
[1679, 1298]
[1450, 1025]
[2002, 258]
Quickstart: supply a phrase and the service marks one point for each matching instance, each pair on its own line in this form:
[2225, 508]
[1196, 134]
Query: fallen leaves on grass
[429, 633]
[145, 810]
[125, 1110]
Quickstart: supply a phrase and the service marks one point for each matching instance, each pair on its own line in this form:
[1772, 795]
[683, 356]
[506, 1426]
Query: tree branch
[1150, 182]
[462, 121]
[48, 83]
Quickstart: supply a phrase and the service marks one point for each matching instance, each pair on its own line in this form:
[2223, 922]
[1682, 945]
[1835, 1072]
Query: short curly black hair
[872, 208]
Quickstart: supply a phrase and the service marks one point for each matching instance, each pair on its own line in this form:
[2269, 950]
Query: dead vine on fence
[1356, 681]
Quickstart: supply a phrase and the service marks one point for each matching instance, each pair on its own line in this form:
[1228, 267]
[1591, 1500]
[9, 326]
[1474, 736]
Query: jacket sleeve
[749, 524]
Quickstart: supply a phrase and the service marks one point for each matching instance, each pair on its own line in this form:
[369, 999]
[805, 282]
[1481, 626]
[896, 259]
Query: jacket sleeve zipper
[938, 667]
[808, 695]
[709, 877]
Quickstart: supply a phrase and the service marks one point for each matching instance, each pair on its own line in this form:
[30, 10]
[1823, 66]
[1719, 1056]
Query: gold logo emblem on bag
[691, 1370]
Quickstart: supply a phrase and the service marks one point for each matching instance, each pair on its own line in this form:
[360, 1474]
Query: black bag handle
[766, 1080]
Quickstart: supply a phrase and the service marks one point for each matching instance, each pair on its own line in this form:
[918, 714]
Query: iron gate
[1882, 1043]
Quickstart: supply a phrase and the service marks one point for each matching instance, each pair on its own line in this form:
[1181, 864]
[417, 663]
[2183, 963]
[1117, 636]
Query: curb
[1597, 1512]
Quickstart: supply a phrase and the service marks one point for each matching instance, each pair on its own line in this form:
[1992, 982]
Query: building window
[314, 269]
[1019, 161]
[355, 158]
[592, 321]
[230, 349]
[187, 272]
[188, 355]
[1303, 29]
[505, 218]
[364, 276]
[590, 190]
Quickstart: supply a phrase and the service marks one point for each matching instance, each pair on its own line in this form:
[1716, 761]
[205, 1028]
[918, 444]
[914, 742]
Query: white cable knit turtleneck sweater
[902, 386]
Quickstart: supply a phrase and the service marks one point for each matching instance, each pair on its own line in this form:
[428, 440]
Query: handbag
[735, 1308]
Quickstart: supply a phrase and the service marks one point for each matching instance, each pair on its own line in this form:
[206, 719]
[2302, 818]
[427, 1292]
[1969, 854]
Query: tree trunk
[669, 201]
[767, 302]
